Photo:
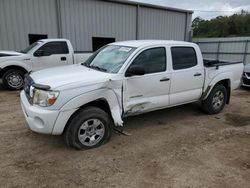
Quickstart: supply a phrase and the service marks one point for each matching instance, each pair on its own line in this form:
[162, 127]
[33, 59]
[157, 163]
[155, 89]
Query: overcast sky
[205, 8]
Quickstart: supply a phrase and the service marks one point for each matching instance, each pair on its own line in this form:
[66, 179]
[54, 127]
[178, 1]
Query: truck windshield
[26, 50]
[109, 58]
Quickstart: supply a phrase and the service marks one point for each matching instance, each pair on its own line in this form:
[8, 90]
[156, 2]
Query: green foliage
[223, 26]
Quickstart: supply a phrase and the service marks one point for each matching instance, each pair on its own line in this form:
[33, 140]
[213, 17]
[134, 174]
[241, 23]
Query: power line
[216, 10]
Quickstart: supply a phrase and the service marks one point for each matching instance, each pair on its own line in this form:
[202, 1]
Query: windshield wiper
[85, 64]
[94, 67]
[97, 68]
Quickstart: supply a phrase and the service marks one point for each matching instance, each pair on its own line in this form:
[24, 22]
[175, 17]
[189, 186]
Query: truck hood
[66, 77]
[12, 56]
[247, 68]
[9, 53]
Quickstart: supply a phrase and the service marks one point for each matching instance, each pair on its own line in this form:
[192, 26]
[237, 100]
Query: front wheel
[13, 79]
[88, 128]
[216, 100]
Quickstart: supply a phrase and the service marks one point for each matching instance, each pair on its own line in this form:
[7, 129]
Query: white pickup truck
[40, 55]
[122, 79]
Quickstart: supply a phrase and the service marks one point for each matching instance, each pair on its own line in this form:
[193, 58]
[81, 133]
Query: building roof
[150, 5]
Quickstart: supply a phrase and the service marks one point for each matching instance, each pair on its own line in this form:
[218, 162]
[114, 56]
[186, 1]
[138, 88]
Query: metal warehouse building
[88, 24]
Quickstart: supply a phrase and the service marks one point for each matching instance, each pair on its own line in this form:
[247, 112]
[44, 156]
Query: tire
[13, 79]
[216, 100]
[88, 123]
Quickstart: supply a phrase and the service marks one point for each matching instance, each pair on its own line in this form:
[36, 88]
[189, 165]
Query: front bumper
[39, 120]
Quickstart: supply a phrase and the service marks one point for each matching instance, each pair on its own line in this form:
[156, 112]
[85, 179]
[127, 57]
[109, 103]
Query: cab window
[153, 60]
[51, 48]
[183, 57]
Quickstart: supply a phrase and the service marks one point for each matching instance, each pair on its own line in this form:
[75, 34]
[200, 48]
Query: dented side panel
[146, 93]
[109, 91]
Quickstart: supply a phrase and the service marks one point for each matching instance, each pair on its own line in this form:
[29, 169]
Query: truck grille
[248, 74]
[28, 81]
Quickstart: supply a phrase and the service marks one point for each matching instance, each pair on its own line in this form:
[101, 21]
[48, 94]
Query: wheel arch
[226, 82]
[10, 67]
[101, 103]
[105, 99]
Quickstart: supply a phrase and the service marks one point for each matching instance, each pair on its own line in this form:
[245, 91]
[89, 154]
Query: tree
[223, 26]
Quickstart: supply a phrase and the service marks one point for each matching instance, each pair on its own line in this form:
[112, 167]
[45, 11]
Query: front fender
[24, 65]
[113, 99]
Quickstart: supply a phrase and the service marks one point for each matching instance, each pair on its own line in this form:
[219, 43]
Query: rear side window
[183, 57]
[51, 48]
[153, 60]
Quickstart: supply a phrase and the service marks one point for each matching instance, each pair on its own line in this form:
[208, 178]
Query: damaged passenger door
[147, 82]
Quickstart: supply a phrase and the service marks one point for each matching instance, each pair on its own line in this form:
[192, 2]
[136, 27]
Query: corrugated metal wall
[18, 18]
[161, 24]
[80, 20]
[230, 49]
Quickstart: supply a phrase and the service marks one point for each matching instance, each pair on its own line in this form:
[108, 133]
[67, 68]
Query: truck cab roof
[144, 43]
[52, 40]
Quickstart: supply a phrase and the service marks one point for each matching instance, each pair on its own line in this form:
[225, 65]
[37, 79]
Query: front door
[151, 90]
[53, 54]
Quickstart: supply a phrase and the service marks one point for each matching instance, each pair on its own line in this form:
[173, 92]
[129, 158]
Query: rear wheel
[88, 128]
[216, 100]
[13, 79]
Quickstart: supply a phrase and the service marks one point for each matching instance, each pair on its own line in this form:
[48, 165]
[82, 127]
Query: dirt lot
[177, 147]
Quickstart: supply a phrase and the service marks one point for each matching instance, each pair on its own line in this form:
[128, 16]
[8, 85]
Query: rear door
[151, 90]
[54, 54]
[187, 75]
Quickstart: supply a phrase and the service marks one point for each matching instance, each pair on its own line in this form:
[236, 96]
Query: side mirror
[135, 70]
[39, 53]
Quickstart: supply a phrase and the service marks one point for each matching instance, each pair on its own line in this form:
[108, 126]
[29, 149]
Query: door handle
[197, 74]
[63, 58]
[164, 79]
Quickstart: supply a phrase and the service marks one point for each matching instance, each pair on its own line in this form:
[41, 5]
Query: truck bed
[217, 63]
[214, 69]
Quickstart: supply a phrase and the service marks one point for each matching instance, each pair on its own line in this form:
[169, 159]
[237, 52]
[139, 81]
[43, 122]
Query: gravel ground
[176, 147]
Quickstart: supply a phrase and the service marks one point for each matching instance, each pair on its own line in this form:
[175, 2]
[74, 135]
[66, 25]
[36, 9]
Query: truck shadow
[163, 117]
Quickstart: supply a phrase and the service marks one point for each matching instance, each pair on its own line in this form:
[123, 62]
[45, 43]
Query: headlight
[44, 98]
